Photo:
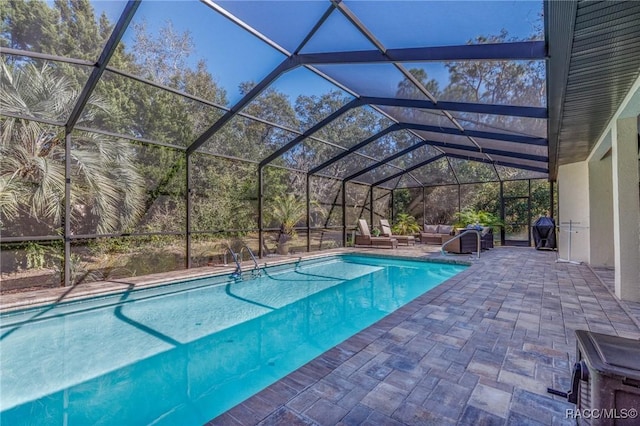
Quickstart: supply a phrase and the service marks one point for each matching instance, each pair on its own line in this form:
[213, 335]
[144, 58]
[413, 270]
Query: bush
[405, 225]
[472, 217]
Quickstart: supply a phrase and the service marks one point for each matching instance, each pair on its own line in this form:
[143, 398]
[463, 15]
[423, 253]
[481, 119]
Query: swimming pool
[185, 353]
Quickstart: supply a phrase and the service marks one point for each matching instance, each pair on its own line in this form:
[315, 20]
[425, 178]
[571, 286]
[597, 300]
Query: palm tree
[405, 224]
[105, 182]
[288, 210]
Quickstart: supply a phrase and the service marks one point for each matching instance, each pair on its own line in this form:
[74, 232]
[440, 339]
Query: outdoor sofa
[436, 234]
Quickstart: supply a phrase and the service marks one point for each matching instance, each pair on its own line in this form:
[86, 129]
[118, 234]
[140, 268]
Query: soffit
[594, 61]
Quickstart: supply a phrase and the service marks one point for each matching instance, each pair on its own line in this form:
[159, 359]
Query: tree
[144, 111]
[29, 25]
[287, 210]
[68, 28]
[350, 128]
[498, 82]
[224, 193]
[326, 206]
[81, 36]
[408, 90]
[405, 224]
[252, 139]
[401, 200]
[105, 183]
[162, 58]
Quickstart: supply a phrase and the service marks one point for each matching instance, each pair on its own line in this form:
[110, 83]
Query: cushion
[385, 229]
[364, 227]
[431, 229]
[445, 229]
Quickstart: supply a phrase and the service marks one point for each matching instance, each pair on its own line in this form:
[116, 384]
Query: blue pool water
[184, 353]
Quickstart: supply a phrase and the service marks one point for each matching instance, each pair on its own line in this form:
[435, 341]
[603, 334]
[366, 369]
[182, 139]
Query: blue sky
[233, 56]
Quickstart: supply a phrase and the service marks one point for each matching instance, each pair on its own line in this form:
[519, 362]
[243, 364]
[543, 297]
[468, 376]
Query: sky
[234, 56]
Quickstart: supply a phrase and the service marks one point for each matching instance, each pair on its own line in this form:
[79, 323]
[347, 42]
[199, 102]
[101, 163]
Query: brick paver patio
[480, 349]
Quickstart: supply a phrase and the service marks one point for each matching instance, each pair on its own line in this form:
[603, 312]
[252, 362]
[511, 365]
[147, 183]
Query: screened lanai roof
[386, 93]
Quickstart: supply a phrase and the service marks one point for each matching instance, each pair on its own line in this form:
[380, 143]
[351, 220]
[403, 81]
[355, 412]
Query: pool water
[184, 353]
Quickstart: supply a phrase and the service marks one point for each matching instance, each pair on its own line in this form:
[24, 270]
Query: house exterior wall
[601, 211]
[573, 196]
[626, 208]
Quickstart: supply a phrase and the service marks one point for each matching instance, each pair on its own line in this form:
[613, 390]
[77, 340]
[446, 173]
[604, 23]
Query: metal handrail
[228, 249]
[253, 257]
[457, 237]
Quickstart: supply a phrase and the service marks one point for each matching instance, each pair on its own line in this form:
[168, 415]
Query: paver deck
[480, 349]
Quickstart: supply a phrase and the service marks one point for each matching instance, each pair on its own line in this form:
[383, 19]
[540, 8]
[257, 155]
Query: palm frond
[288, 210]
[32, 173]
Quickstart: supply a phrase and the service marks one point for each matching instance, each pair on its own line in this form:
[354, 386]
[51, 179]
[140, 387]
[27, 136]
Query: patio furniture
[468, 242]
[402, 239]
[486, 238]
[436, 234]
[364, 239]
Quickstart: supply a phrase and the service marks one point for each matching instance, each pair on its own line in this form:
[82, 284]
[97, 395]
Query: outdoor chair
[402, 239]
[486, 238]
[365, 239]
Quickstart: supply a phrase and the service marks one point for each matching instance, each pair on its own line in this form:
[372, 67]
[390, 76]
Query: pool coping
[13, 302]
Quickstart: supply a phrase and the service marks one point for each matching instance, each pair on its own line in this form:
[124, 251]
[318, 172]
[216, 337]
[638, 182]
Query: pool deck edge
[12, 302]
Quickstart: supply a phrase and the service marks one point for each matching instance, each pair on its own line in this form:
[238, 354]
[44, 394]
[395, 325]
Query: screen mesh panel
[441, 204]
[234, 204]
[247, 139]
[133, 187]
[187, 55]
[326, 202]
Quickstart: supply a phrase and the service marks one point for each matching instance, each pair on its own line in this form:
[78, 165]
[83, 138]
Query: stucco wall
[626, 208]
[601, 212]
[573, 196]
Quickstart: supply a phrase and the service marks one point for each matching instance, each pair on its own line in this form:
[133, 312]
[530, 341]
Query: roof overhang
[594, 50]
